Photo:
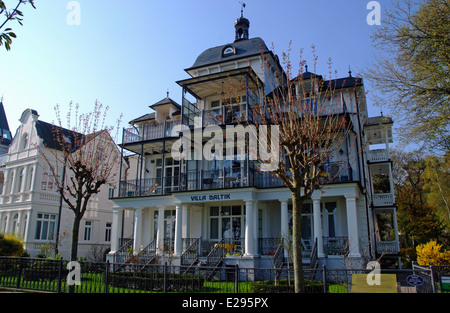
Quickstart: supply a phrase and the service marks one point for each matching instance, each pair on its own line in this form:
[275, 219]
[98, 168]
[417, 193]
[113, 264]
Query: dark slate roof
[334, 84]
[244, 49]
[49, 133]
[146, 117]
[166, 100]
[377, 120]
[5, 133]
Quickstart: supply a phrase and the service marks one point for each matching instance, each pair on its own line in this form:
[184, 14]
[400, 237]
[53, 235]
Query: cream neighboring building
[31, 203]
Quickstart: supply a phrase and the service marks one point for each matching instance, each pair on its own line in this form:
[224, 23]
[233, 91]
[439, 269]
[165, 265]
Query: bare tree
[86, 150]
[310, 116]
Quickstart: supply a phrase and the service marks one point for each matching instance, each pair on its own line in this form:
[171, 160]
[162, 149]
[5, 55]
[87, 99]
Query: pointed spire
[5, 133]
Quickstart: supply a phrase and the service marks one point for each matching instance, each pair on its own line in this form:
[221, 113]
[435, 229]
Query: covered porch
[240, 224]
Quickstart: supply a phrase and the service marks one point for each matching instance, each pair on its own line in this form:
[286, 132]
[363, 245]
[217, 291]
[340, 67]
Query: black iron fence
[50, 275]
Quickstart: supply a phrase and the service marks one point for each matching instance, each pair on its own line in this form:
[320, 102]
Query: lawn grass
[94, 283]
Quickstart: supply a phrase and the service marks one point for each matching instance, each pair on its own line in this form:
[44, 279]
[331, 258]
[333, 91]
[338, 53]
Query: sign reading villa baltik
[215, 197]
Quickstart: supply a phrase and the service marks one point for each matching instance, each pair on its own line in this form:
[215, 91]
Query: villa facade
[225, 211]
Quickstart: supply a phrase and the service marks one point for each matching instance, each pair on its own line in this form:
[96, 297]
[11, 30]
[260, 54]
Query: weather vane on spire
[242, 7]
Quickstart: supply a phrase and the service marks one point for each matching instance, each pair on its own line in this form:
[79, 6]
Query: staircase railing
[215, 258]
[190, 255]
[122, 254]
[278, 259]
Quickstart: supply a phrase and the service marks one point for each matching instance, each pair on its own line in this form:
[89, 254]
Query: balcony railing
[378, 155]
[383, 199]
[225, 178]
[149, 132]
[148, 187]
[387, 247]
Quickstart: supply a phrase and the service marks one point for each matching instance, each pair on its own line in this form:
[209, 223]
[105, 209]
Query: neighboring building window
[29, 180]
[24, 141]
[3, 224]
[47, 183]
[87, 231]
[20, 180]
[45, 226]
[15, 223]
[108, 232]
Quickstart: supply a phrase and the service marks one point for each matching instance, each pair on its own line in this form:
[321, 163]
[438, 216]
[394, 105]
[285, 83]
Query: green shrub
[11, 246]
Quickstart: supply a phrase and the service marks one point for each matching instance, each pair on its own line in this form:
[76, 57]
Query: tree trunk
[74, 249]
[297, 259]
[75, 232]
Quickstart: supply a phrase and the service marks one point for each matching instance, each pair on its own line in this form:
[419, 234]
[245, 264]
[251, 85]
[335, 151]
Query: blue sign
[414, 280]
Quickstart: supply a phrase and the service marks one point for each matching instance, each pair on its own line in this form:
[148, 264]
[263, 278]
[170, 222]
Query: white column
[116, 228]
[318, 226]
[352, 225]
[249, 226]
[178, 249]
[185, 229]
[137, 230]
[255, 226]
[284, 219]
[160, 232]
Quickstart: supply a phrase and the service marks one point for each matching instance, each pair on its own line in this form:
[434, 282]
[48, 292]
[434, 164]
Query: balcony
[378, 155]
[149, 132]
[383, 199]
[387, 247]
[224, 178]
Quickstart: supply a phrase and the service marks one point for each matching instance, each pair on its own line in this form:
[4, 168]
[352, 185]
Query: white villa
[198, 208]
[31, 206]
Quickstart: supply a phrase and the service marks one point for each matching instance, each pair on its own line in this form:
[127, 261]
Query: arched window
[15, 223]
[20, 179]
[25, 140]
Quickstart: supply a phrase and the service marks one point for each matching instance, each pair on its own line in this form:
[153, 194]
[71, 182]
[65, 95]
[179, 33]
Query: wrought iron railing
[149, 132]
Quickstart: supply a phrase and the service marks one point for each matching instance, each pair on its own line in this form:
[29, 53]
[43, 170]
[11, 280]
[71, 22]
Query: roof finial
[349, 71]
[306, 68]
[242, 8]
[167, 92]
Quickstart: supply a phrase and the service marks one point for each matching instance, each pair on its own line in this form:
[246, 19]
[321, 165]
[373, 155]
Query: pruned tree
[6, 34]
[86, 159]
[308, 116]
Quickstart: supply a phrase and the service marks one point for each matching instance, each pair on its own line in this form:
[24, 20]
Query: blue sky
[127, 54]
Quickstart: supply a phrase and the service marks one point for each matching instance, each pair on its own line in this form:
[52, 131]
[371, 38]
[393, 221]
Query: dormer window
[229, 50]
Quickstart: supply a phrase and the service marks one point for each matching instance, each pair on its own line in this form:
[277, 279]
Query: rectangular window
[108, 232]
[45, 226]
[87, 230]
[225, 222]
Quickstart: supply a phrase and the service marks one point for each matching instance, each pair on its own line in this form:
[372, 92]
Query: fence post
[60, 274]
[107, 277]
[165, 277]
[19, 274]
[236, 278]
[433, 284]
[324, 278]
